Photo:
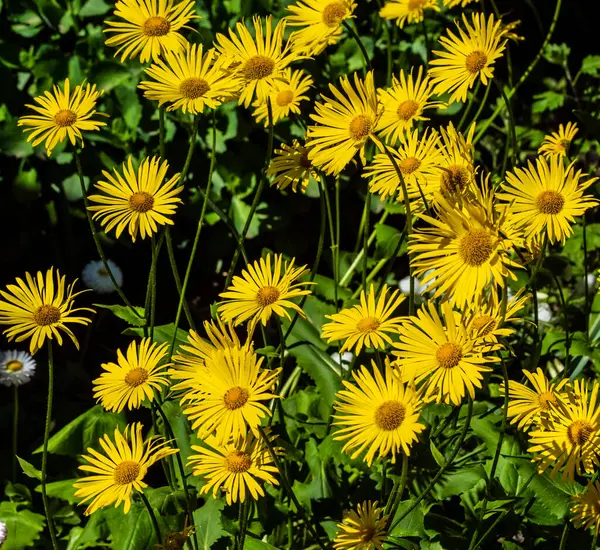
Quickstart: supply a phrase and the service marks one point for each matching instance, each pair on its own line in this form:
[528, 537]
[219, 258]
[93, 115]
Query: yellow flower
[407, 11]
[61, 115]
[237, 468]
[285, 96]
[291, 166]
[121, 468]
[229, 397]
[367, 323]
[149, 27]
[321, 24]
[469, 57]
[456, 163]
[404, 104]
[377, 414]
[527, 407]
[558, 143]
[440, 354]
[461, 3]
[571, 435]
[190, 81]
[544, 199]
[139, 202]
[133, 378]
[344, 124]
[586, 509]
[363, 529]
[263, 290]
[258, 62]
[40, 308]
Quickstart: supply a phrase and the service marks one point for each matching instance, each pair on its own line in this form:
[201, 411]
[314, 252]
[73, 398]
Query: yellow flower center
[476, 61]
[141, 202]
[454, 179]
[409, 165]
[564, 144]
[285, 97]
[475, 247]
[193, 88]
[366, 534]
[484, 324]
[46, 315]
[14, 366]
[127, 472]
[304, 161]
[579, 432]
[407, 109]
[267, 295]
[334, 13]
[65, 117]
[257, 67]
[235, 398]
[360, 127]
[390, 415]
[449, 355]
[368, 324]
[550, 202]
[156, 26]
[238, 462]
[546, 399]
[136, 377]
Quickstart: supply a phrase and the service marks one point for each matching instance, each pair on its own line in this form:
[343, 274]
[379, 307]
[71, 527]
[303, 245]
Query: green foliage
[23, 525]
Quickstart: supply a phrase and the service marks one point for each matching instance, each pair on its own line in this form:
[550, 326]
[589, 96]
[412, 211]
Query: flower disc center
[360, 127]
[367, 533]
[407, 109]
[156, 26]
[409, 165]
[235, 398]
[390, 415]
[579, 432]
[546, 399]
[368, 324]
[127, 472]
[550, 202]
[304, 161]
[285, 97]
[193, 88]
[141, 202]
[476, 61]
[46, 315]
[334, 13]
[238, 462]
[65, 117]
[454, 179]
[449, 355]
[14, 366]
[257, 67]
[484, 324]
[136, 377]
[267, 295]
[475, 247]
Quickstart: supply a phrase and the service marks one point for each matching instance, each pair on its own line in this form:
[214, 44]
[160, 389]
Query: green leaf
[123, 312]
[207, 521]
[26, 186]
[72, 187]
[547, 101]
[93, 8]
[255, 544]
[63, 490]
[317, 487]
[437, 456]
[240, 212]
[95, 530]
[131, 108]
[109, 75]
[29, 469]
[181, 429]
[23, 526]
[458, 481]
[590, 122]
[557, 53]
[131, 531]
[590, 65]
[387, 239]
[412, 525]
[162, 333]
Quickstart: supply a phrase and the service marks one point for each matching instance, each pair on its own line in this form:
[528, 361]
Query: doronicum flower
[291, 166]
[378, 414]
[586, 507]
[239, 469]
[362, 529]
[133, 378]
[121, 468]
[263, 289]
[344, 124]
[456, 163]
[407, 11]
[149, 28]
[366, 324]
[558, 143]
[461, 3]
[95, 276]
[190, 81]
[40, 308]
[468, 57]
[16, 367]
[544, 199]
[62, 114]
[138, 202]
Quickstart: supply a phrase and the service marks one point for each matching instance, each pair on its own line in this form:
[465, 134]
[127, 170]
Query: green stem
[594, 540]
[511, 123]
[563, 305]
[482, 104]
[190, 153]
[332, 233]
[398, 489]
[152, 279]
[243, 517]
[161, 132]
[361, 46]
[390, 264]
[44, 479]
[175, 271]
[15, 434]
[565, 536]
[152, 517]
[585, 281]
[366, 240]
[472, 98]
[426, 36]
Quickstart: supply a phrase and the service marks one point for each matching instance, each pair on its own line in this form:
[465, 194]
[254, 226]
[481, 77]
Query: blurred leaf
[93, 8]
[23, 526]
[591, 124]
[72, 187]
[240, 212]
[255, 544]
[75, 73]
[207, 521]
[557, 53]
[26, 186]
[110, 74]
[123, 312]
[547, 101]
[63, 490]
[29, 469]
[590, 65]
[387, 239]
[131, 108]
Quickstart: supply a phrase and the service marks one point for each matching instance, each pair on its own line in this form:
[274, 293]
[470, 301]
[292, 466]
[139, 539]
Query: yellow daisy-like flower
[285, 97]
[190, 81]
[40, 308]
[149, 27]
[404, 104]
[321, 24]
[456, 163]
[440, 354]
[545, 198]
[133, 378]
[367, 323]
[571, 435]
[139, 202]
[121, 468]
[461, 3]
[586, 507]
[527, 407]
[407, 11]
[291, 166]
[229, 401]
[469, 57]
[344, 124]
[362, 529]
[377, 414]
[418, 159]
[258, 62]
[558, 143]
[237, 468]
[263, 290]
[61, 115]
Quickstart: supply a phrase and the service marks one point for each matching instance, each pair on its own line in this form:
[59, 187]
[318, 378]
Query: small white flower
[3, 533]
[16, 367]
[404, 285]
[544, 313]
[345, 360]
[96, 277]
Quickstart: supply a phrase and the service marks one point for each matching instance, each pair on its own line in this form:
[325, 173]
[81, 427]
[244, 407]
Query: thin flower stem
[482, 104]
[15, 434]
[171, 253]
[338, 223]
[426, 37]
[44, 479]
[97, 239]
[564, 536]
[152, 281]
[190, 153]
[243, 516]
[563, 305]
[398, 490]
[594, 540]
[390, 263]
[361, 46]
[511, 122]
[332, 233]
[152, 517]
[366, 240]
[161, 132]
[469, 106]
[585, 280]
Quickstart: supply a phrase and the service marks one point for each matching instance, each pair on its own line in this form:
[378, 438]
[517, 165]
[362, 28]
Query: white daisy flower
[96, 277]
[343, 361]
[3, 533]
[16, 367]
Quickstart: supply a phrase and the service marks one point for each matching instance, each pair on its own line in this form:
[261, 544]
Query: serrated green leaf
[207, 521]
[63, 490]
[547, 101]
[29, 469]
[123, 312]
[24, 526]
[591, 65]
